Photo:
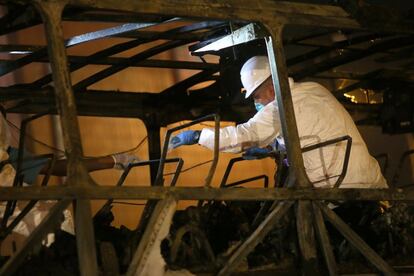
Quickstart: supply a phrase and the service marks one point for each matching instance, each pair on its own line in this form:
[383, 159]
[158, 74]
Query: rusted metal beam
[266, 10]
[343, 45]
[284, 104]
[324, 242]
[79, 39]
[201, 193]
[77, 174]
[257, 236]
[322, 66]
[65, 100]
[131, 60]
[85, 238]
[48, 224]
[18, 17]
[152, 63]
[306, 238]
[19, 49]
[175, 33]
[290, 133]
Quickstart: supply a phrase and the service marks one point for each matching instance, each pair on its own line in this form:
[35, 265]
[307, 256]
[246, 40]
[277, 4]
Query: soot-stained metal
[304, 54]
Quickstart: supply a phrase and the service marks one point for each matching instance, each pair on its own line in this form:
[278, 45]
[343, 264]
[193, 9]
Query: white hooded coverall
[319, 117]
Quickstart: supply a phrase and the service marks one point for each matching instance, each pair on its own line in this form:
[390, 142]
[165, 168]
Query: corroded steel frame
[81, 188]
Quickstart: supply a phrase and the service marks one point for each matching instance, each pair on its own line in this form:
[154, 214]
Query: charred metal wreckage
[243, 27]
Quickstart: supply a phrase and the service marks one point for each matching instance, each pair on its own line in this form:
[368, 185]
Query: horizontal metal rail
[202, 193]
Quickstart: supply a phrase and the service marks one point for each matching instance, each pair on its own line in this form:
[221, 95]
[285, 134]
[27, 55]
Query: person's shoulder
[309, 85]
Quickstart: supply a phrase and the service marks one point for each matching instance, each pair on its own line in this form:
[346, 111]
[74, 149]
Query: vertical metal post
[154, 152]
[51, 12]
[284, 104]
[324, 241]
[154, 146]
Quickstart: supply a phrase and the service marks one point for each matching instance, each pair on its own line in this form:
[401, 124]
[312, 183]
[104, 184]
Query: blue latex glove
[256, 153]
[188, 137]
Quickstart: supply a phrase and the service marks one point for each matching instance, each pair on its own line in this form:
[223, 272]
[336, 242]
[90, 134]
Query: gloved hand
[122, 160]
[256, 153]
[188, 137]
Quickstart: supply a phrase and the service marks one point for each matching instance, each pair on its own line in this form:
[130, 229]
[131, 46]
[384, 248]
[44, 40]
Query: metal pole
[51, 12]
[284, 104]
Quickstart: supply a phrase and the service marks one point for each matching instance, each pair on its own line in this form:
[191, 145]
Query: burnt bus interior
[363, 52]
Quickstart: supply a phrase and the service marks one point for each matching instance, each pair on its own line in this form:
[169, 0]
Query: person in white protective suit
[32, 167]
[319, 117]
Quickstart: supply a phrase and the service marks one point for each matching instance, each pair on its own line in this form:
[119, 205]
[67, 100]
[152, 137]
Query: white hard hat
[254, 72]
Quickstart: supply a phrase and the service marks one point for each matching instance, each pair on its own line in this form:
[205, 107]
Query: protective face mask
[258, 106]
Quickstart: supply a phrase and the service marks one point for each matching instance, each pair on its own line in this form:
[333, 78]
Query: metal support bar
[346, 58]
[148, 37]
[131, 60]
[257, 236]
[83, 38]
[51, 13]
[183, 85]
[85, 238]
[202, 193]
[77, 174]
[290, 133]
[324, 242]
[285, 105]
[47, 225]
[306, 238]
[323, 50]
[295, 13]
[356, 241]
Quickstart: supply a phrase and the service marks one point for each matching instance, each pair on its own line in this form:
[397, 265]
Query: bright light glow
[351, 97]
[20, 52]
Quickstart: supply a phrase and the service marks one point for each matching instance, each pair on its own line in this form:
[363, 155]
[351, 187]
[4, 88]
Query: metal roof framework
[70, 101]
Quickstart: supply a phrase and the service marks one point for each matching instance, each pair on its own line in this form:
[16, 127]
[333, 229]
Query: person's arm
[117, 161]
[259, 131]
[92, 164]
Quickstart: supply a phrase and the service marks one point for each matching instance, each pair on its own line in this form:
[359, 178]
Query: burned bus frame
[79, 188]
